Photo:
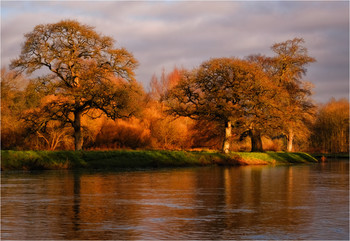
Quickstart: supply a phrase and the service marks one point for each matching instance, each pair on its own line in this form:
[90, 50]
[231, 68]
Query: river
[251, 202]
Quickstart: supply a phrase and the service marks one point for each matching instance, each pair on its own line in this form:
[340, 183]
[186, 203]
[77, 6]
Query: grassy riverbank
[47, 160]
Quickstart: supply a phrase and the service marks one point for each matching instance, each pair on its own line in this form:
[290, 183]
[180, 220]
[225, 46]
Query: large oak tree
[227, 90]
[85, 72]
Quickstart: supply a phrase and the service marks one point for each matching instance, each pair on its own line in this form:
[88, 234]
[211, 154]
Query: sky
[165, 34]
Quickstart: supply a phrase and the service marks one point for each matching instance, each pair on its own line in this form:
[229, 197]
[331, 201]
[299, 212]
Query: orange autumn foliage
[122, 134]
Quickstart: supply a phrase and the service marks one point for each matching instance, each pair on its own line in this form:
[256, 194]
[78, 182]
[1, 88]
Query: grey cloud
[323, 90]
[165, 34]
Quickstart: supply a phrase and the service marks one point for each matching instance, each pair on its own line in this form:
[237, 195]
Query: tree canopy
[331, 128]
[81, 89]
[260, 94]
[289, 66]
[228, 90]
[85, 72]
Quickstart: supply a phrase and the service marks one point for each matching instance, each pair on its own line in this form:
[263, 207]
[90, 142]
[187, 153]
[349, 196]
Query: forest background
[156, 120]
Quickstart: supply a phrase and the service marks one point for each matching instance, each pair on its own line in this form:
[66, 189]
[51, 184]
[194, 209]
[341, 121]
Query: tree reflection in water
[254, 202]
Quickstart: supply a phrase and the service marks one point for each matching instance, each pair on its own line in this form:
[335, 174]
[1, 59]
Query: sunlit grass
[277, 157]
[40, 160]
[43, 160]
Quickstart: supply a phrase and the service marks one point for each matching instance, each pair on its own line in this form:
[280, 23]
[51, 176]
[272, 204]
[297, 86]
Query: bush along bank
[51, 160]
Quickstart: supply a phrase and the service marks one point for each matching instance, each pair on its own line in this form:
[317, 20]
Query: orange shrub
[123, 134]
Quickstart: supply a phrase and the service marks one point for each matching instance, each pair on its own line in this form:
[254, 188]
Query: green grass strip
[48, 160]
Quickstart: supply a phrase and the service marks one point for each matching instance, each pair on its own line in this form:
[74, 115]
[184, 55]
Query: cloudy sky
[164, 34]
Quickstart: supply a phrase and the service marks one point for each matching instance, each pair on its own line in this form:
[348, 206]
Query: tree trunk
[255, 137]
[78, 137]
[290, 140]
[227, 138]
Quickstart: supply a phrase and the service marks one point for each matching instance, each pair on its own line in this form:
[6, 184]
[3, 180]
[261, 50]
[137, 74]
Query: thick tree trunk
[290, 140]
[78, 137]
[227, 138]
[255, 137]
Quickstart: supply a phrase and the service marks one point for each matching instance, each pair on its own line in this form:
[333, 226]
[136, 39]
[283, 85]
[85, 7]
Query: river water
[252, 202]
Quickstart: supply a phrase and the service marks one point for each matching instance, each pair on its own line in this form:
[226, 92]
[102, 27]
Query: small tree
[85, 73]
[166, 131]
[226, 90]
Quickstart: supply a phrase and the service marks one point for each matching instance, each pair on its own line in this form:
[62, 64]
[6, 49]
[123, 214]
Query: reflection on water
[293, 202]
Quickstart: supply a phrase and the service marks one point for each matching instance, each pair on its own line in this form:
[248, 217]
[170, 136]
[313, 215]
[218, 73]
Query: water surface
[254, 202]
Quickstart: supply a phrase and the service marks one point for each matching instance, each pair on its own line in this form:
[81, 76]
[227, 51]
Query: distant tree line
[330, 131]
[88, 98]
